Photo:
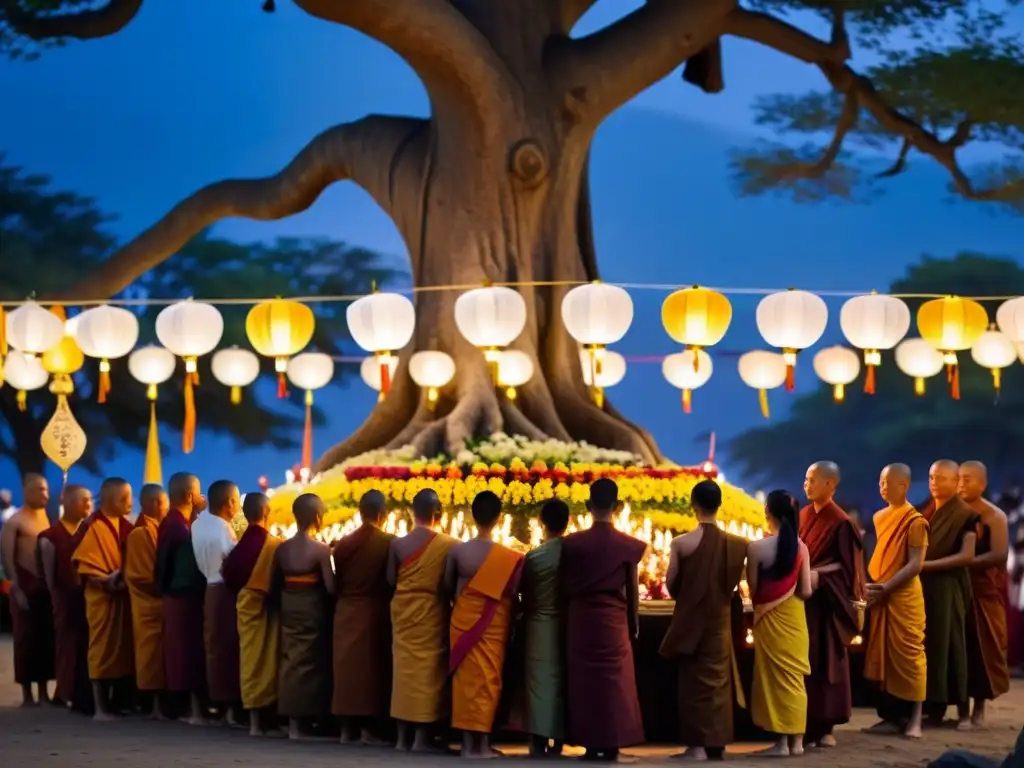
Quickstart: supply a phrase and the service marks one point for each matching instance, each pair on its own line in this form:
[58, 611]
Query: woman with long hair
[779, 578]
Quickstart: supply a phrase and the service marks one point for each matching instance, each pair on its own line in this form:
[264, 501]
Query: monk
[246, 572]
[182, 588]
[705, 568]
[213, 538]
[988, 672]
[482, 576]
[836, 551]
[895, 656]
[946, 581]
[419, 622]
[544, 625]
[302, 583]
[147, 606]
[99, 561]
[31, 610]
[362, 626]
[71, 631]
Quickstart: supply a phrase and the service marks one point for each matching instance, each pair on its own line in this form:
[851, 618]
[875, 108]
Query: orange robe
[147, 605]
[895, 655]
[100, 554]
[479, 636]
[988, 672]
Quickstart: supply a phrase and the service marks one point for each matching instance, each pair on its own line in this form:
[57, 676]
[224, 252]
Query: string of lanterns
[491, 317]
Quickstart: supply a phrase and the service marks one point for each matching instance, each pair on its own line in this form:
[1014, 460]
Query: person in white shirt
[212, 539]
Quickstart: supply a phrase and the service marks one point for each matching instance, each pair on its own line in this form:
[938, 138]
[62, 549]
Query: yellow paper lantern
[280, 328]
[696, 317]
[951, 325]
[63, 440]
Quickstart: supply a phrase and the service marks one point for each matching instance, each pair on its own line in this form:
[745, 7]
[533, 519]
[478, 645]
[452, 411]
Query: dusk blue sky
[194, 91]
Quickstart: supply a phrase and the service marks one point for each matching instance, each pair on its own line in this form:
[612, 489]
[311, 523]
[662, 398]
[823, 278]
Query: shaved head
[308, 510]
[943, 478]
[77, 502]
[901, 471]
[372, 507]
[946, 465]
[973, 480]
[256, 507]
[182, 487]
[827, 469]
[425, 506]
[820, 482]
[976, 467]
[894, 484]
[35, 491]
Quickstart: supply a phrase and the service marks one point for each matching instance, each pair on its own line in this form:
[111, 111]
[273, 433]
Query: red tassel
[282, 386]
[869, 380]
[790, 378]
[687, 401]
[954, 384]
[385, 377]
[307, 436]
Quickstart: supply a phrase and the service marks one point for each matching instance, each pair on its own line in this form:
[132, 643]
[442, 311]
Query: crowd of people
[172, 616]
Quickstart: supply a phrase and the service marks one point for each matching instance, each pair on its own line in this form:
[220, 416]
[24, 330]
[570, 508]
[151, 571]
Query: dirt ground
[48, 737]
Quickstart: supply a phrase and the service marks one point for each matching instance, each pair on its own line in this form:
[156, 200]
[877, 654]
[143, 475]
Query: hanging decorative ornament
[310, 371]
[105, 333]
[382, 324]
[490, 318]
[63, 440]
[612, 371]
[685, 372]
[152, 366]
[596, 315]
[280, 328]
[762, 370]
[236, 368]
[373, 376]
[25, 373]
[432, 371]
[190, 329]
[31, 329]
[919, 360]
[696, 317]
[839, 367]
[515, 368]
[1010, 319]
[791, 321]
[61, 362]
[951, 325]
[994, 350]
[873, 323]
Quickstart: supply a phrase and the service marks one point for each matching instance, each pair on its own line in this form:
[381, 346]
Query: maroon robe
[240, 561]
[33, 630]
[183, 589]
[604, 711]
[832, 618]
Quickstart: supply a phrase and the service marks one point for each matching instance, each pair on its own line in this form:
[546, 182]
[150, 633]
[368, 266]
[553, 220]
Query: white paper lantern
[995, 351]
[371, 374]
[105, 333]
[515, 368]
[32, 329]
[490, 318]
[837, 366]
[382, 323]
[1010, 319]
[431, 370]
[1020, 351]
[872, 323]
[687, 371]
[612, 369]
[152, 366]
[919, 360]
[25, 373]
[597, 314]
[791, 321]
[235, 368]
[190, 329]
[311, 371]
[762, 370]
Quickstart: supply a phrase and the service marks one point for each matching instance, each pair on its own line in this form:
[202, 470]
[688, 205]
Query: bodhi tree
[493, 185]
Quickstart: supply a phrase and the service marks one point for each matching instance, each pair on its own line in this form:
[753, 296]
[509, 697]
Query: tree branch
[609, 67]
[571, 11]
[83, 25]
[363, 151]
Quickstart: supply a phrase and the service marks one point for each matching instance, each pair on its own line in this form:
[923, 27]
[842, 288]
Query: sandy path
[46, 737]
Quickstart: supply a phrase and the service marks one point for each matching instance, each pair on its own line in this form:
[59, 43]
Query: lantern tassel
[188, 432]
[919, 386]
[790, 377]
[838, 392]
[869, 380]
[22, 400]
[282, 385]
[153, 470]
[3, 332]
[762, 399]
[58, 311]
[599, 397]
[103, 383]
[954, 382]
[385, 376]
[236, 395]
[997, 382]
[307, 432]
[687, 401]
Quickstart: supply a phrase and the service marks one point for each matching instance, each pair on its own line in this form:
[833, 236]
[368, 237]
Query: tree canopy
[867, 432]
[51, 237]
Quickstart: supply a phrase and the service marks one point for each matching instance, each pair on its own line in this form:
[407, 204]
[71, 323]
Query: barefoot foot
[883, 728]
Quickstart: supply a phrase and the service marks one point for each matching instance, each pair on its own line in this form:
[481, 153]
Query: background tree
[869, 431]
[50, 236]
[493, 186]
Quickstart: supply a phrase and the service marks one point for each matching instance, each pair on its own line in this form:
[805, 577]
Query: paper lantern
[431, 370]
[791, 321]
[1010, 319]
[687, 371]
[697, 317]
[280, 328]
[235, 368]
[919, 360]
[373, 376]
[762, 370]
[25, 373]
[609, 372]
[152, 366]
[515, 368]
[32, 329]
[951, 324]
[61, 361]
[105, 333]
[310, 371]
[63, 440]
[382, 323]
[873, 323]
[190, 329]
[837, 366]
[596, 315]
[490, 318]
[994, 350]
